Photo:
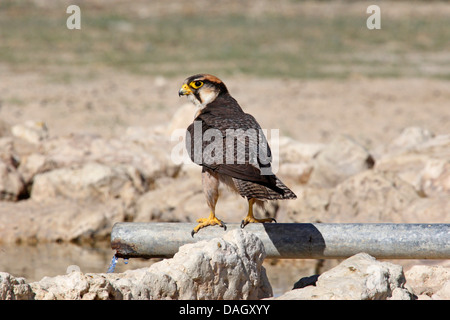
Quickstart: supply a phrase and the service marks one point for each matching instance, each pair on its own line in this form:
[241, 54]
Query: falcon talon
[221, 115]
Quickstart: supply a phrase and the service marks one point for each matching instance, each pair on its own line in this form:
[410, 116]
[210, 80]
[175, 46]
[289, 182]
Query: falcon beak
[184, 91]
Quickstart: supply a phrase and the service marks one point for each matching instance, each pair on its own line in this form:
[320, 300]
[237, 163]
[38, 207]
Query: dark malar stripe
[197, 96]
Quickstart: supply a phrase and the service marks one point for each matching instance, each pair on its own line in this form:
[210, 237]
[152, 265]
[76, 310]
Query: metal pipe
[293, 240]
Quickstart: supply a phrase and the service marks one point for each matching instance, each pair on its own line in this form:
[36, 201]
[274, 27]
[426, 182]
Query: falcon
[231, 148]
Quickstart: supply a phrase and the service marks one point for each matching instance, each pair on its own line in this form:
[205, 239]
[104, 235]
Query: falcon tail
[275, 191]
[286, 192]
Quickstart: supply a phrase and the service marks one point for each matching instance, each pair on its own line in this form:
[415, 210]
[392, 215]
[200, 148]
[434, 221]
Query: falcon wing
[250, 150]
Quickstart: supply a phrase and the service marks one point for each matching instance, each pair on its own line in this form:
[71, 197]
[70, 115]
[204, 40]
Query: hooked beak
[184, 91]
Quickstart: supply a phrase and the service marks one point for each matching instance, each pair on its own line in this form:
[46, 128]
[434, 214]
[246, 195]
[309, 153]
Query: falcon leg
[210, 183]
[250, 218]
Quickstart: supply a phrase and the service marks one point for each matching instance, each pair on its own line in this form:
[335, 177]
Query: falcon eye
[196, 84]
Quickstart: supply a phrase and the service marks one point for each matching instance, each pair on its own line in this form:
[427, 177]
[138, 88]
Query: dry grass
[313, 39]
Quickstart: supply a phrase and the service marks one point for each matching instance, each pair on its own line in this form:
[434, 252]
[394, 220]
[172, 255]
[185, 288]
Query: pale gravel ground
[372, 111]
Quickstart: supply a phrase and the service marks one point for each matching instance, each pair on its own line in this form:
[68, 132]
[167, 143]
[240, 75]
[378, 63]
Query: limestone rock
[136, 284]
[298, 173]
[29, 221]
[409, 139]
[339, 160]
[31, 131]
[311, 205]
[435, 178]
[181, 119]
[429, 281]
[407, 167]
[90, 181]
[428, 175]
[33, 164]
[427, 210]
[8, 153]
[11, 183]
[12, 288]
[371, 196]
[438, 147]
[424, 163]
[65, 287]
[149, 155]
[359, 277]
[293, 160]
[293, 151]
[81, 166]
[172, 200]
[222, 268]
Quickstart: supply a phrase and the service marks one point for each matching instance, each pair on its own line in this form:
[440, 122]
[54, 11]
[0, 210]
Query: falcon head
[202, 89]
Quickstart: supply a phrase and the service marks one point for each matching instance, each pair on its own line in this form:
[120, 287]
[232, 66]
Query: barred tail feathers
[257, 191]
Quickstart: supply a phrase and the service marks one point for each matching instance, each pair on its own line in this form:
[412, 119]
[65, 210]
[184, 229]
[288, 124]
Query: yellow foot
[251, 219]
[210, 221]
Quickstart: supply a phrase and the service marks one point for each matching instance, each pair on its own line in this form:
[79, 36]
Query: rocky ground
[76, 159]
[231, 268]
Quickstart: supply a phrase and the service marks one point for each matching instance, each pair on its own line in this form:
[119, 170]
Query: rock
[299, 173]
[181, 119]
[429, 281]
[339, 160]
[427, 210]
[12, 288]
[443, 293]
[222, 268]
[33, 164]
[438, 147]
[31, 131]
[406, 166]
[409, 139]
[435, 178]
[292, 160]
[293, 151]
[149, 155]
[359, 277]
[424, 164]
[11, 183]
[90, 181]
[74, 162]
[58, 220]
[370, 197]
[7, 152]
[136, 284]
[172, 200]
[65, 287]
[311, 205]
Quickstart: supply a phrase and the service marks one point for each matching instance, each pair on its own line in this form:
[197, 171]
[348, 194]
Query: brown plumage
[231, 148]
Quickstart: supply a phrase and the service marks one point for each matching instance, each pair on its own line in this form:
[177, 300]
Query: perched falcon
[231, 148]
